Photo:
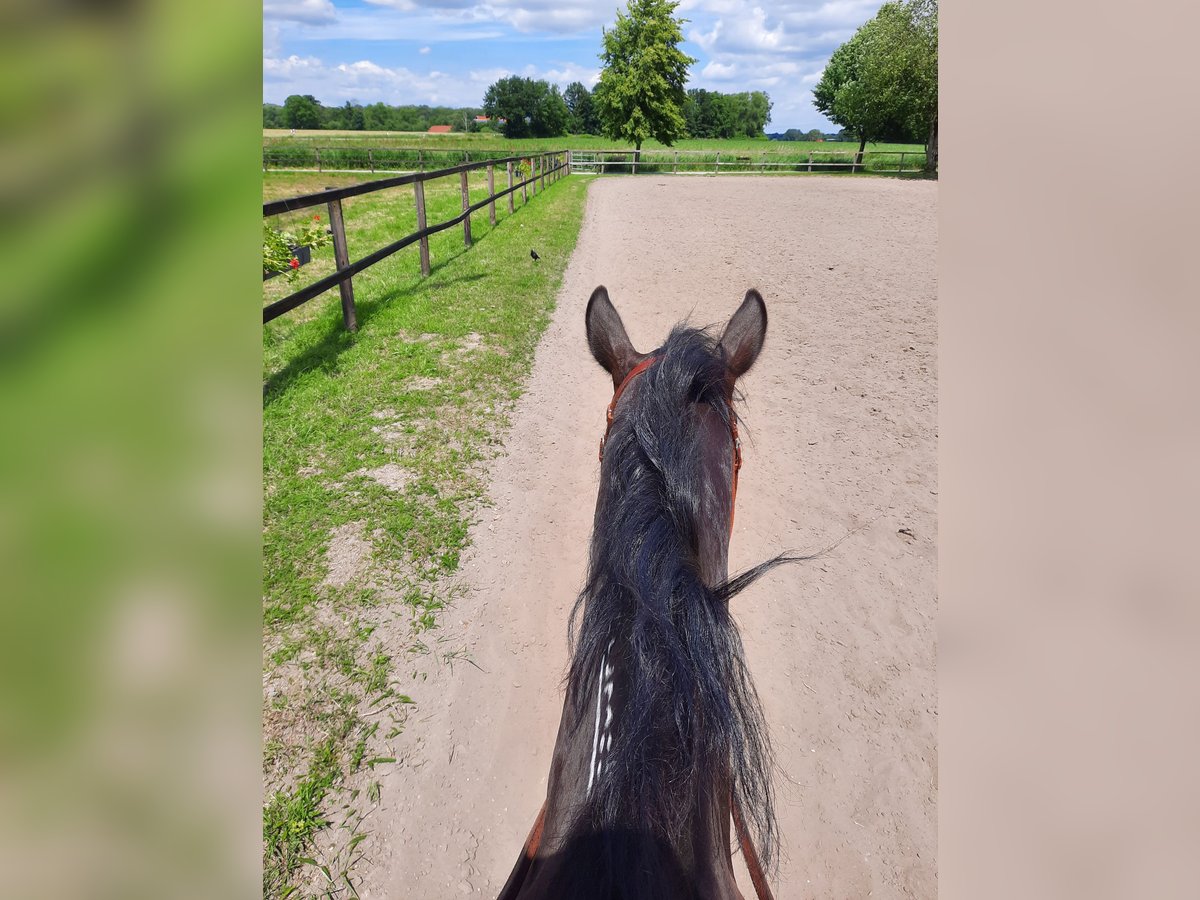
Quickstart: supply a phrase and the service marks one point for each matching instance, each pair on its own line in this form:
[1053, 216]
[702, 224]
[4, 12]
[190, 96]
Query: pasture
[404, 151]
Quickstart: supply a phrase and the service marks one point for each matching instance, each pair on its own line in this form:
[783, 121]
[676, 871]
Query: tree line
[305, 111]
[529, 108]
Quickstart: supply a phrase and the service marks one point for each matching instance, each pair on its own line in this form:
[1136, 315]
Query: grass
[375, 447]
[348, 150]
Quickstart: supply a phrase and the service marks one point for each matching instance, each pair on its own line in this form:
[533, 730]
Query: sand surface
[840, 442]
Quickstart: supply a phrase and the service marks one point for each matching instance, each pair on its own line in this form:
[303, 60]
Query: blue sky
[447, 52]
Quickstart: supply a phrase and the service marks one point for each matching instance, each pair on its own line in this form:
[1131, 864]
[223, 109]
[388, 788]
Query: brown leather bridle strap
[535, 834]
[612, 408]
[516, 879]
[753, 864]
[612, 404]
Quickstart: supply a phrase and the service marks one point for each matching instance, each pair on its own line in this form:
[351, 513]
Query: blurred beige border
[1070, 488]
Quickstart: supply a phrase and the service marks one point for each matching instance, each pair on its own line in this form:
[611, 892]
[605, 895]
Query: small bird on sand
[534, 255]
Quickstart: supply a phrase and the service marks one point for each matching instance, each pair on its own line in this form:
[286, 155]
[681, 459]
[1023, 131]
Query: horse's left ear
[744, 335]
[606, 336]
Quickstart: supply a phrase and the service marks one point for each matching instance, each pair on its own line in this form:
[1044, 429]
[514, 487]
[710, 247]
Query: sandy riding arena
[840, 443]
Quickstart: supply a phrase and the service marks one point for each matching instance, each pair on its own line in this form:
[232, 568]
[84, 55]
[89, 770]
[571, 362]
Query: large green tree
[641, 90]
[900, 68]
[843, 97]
[530, 108]
[883, 81]
[302, 111]
[711, 114]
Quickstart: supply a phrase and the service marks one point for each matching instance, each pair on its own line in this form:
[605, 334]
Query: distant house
[482, 119]
[439, 129]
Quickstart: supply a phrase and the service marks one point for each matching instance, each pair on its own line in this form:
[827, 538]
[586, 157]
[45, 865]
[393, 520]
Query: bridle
[753, 864]
[612, 408]
[749, 853]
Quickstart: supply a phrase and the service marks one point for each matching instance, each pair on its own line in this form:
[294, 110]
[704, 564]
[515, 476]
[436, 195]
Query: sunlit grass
[420, 392]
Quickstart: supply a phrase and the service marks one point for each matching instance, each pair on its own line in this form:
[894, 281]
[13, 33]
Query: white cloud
[310, 12]
[742, 45]
[365, 81]
[526, 16]
[718, 71]
[565, 73]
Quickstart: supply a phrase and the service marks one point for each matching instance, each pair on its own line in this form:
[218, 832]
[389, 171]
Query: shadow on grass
[324, 352]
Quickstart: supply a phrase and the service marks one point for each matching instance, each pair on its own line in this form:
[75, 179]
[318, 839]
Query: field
[399, 151]
[374, 445]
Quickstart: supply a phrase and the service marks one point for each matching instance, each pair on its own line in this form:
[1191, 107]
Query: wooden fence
[543, 166]
[744, 162]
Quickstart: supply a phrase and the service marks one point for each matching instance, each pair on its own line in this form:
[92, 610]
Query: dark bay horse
[662, 736]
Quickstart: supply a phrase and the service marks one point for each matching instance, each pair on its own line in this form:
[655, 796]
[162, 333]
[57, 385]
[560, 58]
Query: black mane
[691, 711]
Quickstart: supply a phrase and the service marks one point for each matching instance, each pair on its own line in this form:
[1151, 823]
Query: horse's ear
[744, 335]
[607, 338]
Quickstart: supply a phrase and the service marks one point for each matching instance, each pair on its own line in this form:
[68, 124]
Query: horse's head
[675, 404]
[662, 733]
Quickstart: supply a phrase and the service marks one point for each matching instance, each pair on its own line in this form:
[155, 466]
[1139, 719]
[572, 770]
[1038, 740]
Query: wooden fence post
[317, 150]
[419, 190]
[508, 166]
[810, 161]
[717, 170]
[491, 170]
[542, 170]
[675, 169]
[534, 164]
[466, 203]
[900, 168]
[524, 185]
[342, 259]
[371, 159]
[420, 161]
[570, 154]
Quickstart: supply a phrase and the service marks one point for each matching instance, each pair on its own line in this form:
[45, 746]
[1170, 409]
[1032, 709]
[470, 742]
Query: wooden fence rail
[725, 162]
[550, 164]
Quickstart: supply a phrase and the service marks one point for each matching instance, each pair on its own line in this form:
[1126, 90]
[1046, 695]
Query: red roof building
[439, 129]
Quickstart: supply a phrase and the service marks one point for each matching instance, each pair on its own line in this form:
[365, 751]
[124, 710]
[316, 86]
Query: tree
[302, 111]
[842, 97]
[583, 111]
[531, 108]
[883, 81]
[713, 114]
[641, 90]
[352, 117]
[551, 116]
[900, 68]
[273, 116]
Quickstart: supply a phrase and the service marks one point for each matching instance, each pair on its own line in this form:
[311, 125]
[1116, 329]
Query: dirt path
[841, 437]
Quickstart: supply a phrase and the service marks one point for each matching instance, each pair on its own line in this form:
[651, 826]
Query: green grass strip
[383, 434]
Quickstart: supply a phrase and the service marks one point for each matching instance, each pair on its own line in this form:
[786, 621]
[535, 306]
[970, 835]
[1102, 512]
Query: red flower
[295, 263]
[316, 218]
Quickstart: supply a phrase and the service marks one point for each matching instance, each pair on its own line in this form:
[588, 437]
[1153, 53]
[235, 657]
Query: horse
[662, 736]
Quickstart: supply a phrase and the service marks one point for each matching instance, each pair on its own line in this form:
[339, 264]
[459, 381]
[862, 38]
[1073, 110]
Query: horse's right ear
[607, 338]
[744, 335]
